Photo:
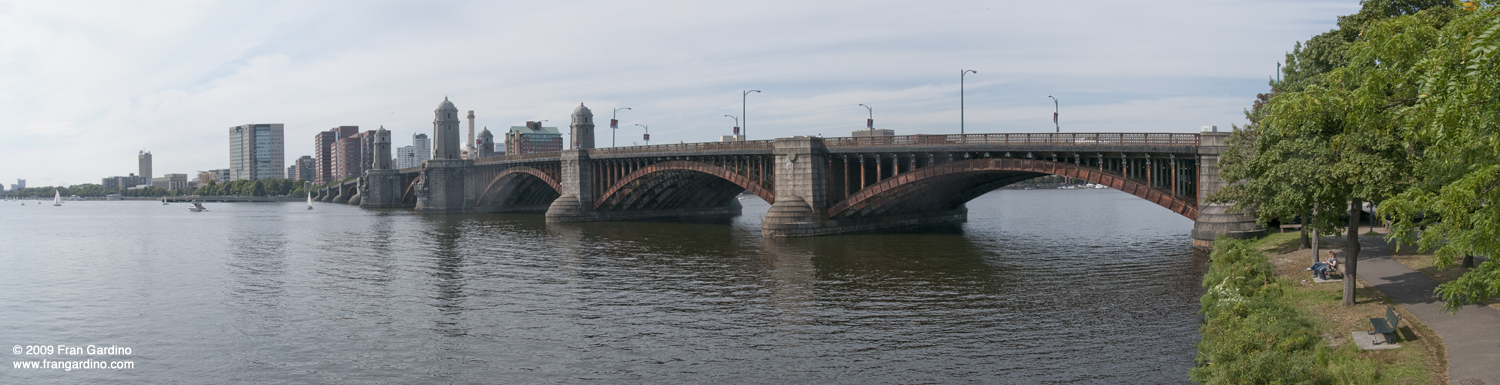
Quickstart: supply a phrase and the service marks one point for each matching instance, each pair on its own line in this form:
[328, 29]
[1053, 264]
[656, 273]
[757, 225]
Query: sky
[85, 86]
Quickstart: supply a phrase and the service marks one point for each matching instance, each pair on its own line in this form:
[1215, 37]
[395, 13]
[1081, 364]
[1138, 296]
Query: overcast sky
[84, 86]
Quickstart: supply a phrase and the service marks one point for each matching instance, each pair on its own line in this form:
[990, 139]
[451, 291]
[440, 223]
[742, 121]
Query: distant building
[485, 144]
[345, 154]
[302, 168]
[124, 182]
[323, 151]
[257, 151]
[144, 163]
[406, 156]
[532, 138]
[176, 182]
[20, 184]
[422, 147]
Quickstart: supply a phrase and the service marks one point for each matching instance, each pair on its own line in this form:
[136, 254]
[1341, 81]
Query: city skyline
[141, 78]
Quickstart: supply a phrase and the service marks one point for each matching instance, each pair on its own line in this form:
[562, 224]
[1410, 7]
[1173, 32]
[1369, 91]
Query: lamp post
[614, 124]
[870, 124]
[961, 74]
[648, 133]
[746, 122]
[1054, 114]
[736, 124]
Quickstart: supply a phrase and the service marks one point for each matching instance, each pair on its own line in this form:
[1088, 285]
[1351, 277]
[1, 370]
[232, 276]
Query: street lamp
[961, 74]
[746, 122]
[870, 124]
[736, 124]
[1054, 114]
[614, 124]
[648, 133]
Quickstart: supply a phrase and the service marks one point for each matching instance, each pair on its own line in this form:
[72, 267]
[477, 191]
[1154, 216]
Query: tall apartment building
[532, 138]
[345, 158]
[322, 151]
[302, 168]
[257, 151]
[144, 163]
[422, 146]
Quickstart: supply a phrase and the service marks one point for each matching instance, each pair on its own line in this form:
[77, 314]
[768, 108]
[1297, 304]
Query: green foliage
[1253, 333]
[1455, 149]
[264, 187]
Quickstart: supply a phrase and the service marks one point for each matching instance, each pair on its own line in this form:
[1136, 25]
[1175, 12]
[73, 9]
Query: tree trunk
[1351, 252]
[1315, 245]
[1306, 218]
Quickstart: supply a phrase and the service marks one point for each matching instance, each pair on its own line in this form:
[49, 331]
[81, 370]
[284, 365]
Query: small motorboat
[196, 207]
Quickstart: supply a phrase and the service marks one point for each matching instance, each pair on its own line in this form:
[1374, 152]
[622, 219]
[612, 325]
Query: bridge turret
[485, 145]
[582, 128]
[445, 131]
[382, 150]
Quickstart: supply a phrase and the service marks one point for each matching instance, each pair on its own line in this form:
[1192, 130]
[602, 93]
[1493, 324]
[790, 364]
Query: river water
[1040, 286]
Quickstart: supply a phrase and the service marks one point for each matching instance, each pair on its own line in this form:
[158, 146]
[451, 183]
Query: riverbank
[1315, 309]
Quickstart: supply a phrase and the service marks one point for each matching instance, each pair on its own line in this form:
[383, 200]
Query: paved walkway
[1472, 336]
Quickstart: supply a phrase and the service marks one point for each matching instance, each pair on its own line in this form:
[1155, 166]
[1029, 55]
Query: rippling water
[1040, 286]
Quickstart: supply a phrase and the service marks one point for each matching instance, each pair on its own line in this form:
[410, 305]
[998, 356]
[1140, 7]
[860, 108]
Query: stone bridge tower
[381, 185]
[443, 184]
[577, 176]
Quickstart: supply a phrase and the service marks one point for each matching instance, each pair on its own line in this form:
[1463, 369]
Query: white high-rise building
[257, 151]
[423, 147]
[406, 156]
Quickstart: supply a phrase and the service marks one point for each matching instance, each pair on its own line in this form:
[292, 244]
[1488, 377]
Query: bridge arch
[678, 184]
[518, 189]
[948, 186]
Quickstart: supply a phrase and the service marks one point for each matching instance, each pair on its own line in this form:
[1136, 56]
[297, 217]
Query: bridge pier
[443, 186]
[801, 204]
[343, 195]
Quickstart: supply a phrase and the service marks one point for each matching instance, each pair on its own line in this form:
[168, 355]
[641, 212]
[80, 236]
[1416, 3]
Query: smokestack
[471, 136]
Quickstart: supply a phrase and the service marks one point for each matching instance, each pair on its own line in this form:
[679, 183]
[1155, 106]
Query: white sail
[309, 200]
[56, 198]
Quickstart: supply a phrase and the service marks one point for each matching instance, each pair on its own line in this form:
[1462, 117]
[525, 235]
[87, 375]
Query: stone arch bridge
[816, 185]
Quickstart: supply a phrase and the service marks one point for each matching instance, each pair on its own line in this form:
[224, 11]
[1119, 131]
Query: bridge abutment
[380, 189]
[1215, 219]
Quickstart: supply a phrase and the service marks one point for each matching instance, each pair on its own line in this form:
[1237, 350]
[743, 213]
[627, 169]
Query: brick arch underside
[949, 186]
[518, 189]
[678, 184]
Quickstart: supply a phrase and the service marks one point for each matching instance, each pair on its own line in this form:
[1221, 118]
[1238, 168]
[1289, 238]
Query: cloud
[87, 84]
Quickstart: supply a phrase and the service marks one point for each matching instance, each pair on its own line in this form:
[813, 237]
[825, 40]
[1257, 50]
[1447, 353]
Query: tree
[1329, 137]
[1455, 146]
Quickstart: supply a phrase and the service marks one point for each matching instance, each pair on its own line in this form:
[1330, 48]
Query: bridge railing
[534, 155]
[1069, 139]
[686, 147]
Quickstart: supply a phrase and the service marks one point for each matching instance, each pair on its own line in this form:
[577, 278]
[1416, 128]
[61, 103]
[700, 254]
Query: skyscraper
[144, 160]
[257, 151]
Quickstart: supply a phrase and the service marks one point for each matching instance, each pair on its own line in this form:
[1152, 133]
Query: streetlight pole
[1054, 115]
[614, 124]
[961, 74]
[870, 124]
[746, 122]
[648, 133]
[736, 124]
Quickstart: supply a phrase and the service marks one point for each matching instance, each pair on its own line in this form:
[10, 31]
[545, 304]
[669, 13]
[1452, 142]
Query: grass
[1421, 358]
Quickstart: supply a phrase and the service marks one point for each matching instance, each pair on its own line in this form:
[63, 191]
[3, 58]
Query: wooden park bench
[1387, 325]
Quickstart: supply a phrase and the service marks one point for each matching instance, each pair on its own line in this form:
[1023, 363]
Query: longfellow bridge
[815, 185]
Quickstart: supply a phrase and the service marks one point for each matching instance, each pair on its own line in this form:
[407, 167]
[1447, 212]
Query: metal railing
[687, 147]
[1069, 139]
[534, 155]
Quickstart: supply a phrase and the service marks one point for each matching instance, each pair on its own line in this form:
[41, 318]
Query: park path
[1472, 336]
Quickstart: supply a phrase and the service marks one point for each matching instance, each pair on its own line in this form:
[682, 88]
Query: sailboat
[163, 201]
[56, 198]
[309, 200]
